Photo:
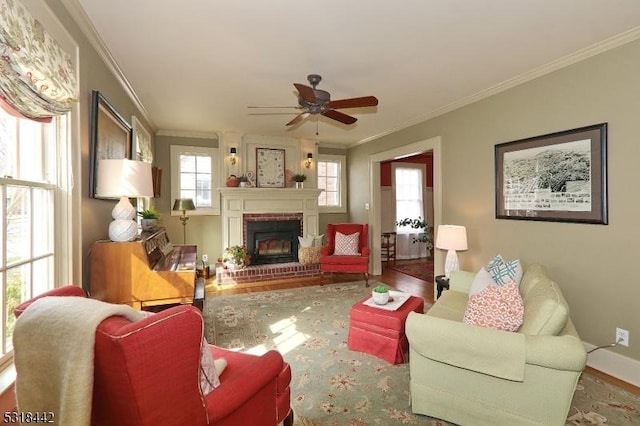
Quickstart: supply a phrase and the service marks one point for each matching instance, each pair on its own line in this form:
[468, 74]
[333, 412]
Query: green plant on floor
[381, 289]
[235, 254]
[419, 223]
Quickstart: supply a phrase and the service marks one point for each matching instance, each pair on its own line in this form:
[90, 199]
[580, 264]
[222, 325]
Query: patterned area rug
[419, 268]
[332, 385]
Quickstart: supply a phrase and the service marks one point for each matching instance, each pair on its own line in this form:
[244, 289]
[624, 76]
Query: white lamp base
[451, 263]
[123, 228]
[124, 209]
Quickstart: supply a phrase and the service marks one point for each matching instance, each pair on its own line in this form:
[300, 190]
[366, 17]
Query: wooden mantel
[238, 201]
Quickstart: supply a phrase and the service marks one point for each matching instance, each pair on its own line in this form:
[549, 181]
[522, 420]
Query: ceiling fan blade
[365, 101]
[338, 116]
[253, 106]
[298, 119]
[306, 93]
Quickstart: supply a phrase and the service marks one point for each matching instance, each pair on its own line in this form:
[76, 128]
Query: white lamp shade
[451, 237]
[124, 178]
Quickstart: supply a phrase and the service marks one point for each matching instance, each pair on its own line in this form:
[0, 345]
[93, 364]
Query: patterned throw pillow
[498, 307]
[308, 255]
[346, 245]
[503, 272]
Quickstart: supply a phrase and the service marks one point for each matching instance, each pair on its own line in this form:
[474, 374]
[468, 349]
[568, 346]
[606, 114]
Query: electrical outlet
[622, 337]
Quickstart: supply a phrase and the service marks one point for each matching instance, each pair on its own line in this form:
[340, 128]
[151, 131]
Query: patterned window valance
[36, 75]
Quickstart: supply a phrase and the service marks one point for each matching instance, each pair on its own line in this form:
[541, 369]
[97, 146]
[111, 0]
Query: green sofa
[473, 375]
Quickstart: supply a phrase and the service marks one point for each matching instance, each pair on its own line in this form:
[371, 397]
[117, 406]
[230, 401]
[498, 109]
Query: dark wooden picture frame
[560, 177]
[270, 168]
[110, 137]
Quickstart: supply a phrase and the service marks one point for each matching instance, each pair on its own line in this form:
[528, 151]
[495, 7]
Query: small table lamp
[451, 238]
[184, 204]
[124, 178]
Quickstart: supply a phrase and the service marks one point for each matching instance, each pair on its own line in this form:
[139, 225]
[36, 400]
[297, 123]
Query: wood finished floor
[394, 279]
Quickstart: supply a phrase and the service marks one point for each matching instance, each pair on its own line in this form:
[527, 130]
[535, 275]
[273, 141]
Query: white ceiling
[196, 65]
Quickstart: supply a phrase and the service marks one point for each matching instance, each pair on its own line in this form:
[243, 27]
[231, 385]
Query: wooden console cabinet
[146, 272]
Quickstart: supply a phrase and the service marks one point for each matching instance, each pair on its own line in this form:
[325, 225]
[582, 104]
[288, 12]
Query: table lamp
[122, 179]
[184, 204]
[451, 238]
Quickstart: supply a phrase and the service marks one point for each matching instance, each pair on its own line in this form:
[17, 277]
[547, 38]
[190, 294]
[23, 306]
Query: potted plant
[299, 180]
[235, 257]
[419, 223]
[149, 218]
[380, 295]
[244, 180]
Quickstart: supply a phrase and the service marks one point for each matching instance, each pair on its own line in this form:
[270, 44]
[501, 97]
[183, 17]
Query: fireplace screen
[273, 241]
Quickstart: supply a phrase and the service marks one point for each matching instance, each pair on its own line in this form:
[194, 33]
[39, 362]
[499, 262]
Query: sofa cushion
[498, 307]
[451, 306]
[545, 310]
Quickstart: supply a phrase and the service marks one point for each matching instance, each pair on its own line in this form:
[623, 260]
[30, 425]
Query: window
[331, 179]
[32, 254]
[193, 175]
[409, 182]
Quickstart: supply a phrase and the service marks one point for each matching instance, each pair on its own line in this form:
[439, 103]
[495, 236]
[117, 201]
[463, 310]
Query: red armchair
[352, 263]
[146, 373]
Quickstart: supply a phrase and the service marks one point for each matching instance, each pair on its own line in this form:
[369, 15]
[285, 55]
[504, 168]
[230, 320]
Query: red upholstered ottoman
[380, 332]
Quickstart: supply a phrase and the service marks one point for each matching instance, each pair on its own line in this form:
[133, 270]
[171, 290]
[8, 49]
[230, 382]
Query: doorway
[375, 216]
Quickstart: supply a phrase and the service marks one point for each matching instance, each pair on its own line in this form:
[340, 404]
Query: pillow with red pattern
[498, 307]
[347, 245]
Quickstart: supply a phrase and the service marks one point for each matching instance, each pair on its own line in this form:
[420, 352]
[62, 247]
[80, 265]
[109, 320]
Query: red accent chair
[144, 375]
[329, 262]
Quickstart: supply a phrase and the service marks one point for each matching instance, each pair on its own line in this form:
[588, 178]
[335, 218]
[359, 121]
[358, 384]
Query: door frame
[433, 144]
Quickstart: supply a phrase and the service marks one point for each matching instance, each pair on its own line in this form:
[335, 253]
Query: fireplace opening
[273, 241]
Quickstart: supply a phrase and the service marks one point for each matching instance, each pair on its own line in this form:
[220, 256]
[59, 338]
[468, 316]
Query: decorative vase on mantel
[299, 185]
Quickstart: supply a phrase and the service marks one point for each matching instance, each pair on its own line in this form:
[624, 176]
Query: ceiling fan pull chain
[317, 121]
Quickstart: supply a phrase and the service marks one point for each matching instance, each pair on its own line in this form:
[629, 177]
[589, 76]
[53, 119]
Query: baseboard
[614, 364]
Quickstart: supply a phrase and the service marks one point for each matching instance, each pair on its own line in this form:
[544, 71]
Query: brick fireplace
[241, 206]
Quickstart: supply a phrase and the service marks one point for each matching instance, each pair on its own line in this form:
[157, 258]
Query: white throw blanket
[53, 352]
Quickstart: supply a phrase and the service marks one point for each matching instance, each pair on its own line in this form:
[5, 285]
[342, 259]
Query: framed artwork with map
[560, 177]
[270, 171]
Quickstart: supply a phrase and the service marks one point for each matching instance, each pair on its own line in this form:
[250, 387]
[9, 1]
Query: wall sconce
[307, 163]
[232, 158]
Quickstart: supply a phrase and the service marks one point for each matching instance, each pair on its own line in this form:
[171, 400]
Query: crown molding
[81, 18]
[573, 58]
[187, 134]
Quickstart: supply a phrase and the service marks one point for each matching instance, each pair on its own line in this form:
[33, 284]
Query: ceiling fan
[313, 101]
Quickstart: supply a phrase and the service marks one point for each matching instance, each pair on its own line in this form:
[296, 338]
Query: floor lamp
[184, 204]
[451, 238]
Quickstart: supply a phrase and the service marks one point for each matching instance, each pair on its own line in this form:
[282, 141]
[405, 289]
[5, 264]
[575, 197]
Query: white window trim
[342, 159]
[423, 169]
[176, 150]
